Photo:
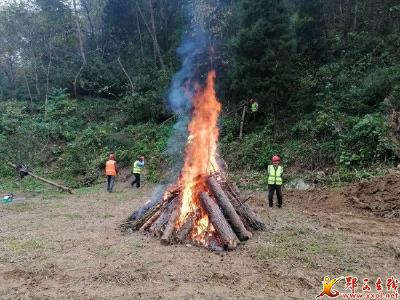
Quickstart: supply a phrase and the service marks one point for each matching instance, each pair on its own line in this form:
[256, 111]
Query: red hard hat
[276, 158]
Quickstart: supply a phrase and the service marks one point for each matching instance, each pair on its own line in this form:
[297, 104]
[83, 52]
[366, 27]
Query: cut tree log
[169, 229]
[170, 193]
[142, 215]
[228, 210]
[135, 224]
[186, 228]
[63, 188]
[158, 226]
[150, 221]
[246, 214]
[228, 237]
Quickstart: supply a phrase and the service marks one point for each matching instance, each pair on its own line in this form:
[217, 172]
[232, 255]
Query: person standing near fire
[138, 165]
[275, 181]
[111, 172]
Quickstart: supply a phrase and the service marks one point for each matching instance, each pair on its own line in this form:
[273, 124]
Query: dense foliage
[81, 78]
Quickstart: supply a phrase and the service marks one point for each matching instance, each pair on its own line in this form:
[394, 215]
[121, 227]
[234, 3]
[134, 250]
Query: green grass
[73, 216]
[297, 242]
[18, 247]
[89, 190]
[19, 207]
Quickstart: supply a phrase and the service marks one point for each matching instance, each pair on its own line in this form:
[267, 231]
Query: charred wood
[169, 228]
[150, 221]
[186, 228]
[157, 228]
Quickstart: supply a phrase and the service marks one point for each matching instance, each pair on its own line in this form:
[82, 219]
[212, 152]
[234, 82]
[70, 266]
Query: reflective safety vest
[111, 167]
[254, 107]
[137, 168]
[275, 175]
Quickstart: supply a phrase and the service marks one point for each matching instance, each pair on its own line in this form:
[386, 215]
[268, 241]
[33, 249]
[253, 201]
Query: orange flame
[200, 157]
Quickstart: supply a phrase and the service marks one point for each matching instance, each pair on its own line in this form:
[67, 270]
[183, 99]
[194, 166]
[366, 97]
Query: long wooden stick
[63, 188]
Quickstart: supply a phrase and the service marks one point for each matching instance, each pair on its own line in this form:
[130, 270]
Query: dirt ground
[54, 246]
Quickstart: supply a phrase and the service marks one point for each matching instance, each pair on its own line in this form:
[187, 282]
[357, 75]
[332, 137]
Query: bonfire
[202, 207]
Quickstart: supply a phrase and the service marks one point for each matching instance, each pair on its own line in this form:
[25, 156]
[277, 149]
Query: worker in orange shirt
[111, 172]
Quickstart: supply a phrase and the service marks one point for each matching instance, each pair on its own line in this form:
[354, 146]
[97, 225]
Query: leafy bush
[366, 142]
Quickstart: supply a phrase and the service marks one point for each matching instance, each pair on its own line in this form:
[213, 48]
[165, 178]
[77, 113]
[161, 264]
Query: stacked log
[232, 220]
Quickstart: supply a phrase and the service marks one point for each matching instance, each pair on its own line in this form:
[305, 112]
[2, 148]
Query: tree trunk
[29, 91]
[228, 210]
[228, 237]
[36, 72]
[127, 75]
[81, 49]
[242, 122]
[140, 37]
[152, 33]
[47, 80]
[85, 6]
[355, 16]
[79, 33]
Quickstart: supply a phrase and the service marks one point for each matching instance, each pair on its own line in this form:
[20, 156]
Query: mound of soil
[379, 195]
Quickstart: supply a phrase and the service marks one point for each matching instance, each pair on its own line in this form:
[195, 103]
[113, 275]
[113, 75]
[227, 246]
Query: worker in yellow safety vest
[111, 172]
[138, 165]
[275, 175]
[253, 106]
[253, 109]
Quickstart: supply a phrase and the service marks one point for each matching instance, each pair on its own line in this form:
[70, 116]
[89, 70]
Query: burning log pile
[228, 222]
[203, 208]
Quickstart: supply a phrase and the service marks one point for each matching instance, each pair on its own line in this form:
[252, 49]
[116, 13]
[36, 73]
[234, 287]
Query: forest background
[82, 78]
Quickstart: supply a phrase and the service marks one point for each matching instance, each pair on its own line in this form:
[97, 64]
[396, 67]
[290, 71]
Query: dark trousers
[136, 180]
[110, 183]
[271, 189]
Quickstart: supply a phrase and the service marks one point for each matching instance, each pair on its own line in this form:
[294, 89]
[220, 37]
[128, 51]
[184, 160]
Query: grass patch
[136, 244]
[89, 190]
[296, 241]
[19, 207]
[103, 251]
[28, 184]
[73, 216]
[18, 247]
[106, 216]
[297, 247]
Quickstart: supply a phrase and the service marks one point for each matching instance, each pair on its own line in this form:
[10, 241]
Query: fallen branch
[61, 187]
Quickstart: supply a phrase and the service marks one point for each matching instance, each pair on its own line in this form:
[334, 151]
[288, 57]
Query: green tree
[263, 54]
